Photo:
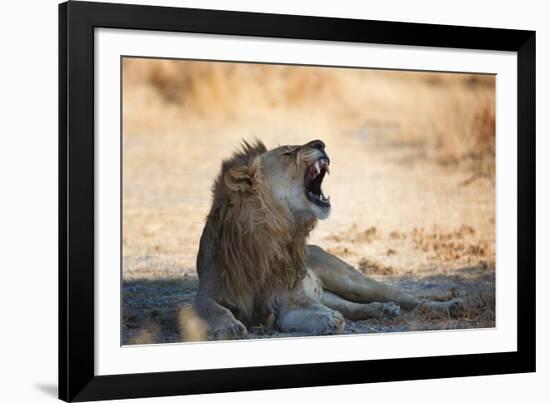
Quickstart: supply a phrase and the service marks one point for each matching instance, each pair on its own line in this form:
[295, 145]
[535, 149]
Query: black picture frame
[77, 21]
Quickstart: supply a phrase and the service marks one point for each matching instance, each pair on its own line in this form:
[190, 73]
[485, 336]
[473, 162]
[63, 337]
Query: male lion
[254, 265]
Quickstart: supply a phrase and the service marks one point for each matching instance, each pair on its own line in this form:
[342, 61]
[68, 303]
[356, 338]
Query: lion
[254, 264]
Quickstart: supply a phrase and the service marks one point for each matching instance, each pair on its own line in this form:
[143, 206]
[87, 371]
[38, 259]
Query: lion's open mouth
[312, 182]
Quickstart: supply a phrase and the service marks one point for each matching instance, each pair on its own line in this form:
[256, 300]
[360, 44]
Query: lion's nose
[318, 144]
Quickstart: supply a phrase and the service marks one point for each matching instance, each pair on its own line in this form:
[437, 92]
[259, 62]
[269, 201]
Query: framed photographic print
[260, 201]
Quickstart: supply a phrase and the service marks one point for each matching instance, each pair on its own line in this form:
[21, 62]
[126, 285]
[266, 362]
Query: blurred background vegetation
[451, 116]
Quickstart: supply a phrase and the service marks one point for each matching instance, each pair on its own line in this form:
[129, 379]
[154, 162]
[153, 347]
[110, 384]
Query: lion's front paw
[334, 323]
[229, 331]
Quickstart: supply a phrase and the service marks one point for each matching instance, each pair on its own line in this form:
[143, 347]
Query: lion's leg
[310, 317]
[300, 310]
[222, 323]
[358, 311]
[342, 279]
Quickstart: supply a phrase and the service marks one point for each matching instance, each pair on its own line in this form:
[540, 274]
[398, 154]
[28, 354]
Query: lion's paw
[334, 323]
[453, 307]
[390, 310]
[230, 331]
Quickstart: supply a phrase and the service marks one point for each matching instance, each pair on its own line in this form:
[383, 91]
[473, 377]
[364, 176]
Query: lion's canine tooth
[316, 165]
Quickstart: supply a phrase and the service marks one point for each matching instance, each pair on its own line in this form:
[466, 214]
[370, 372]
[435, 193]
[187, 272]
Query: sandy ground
[399, 214]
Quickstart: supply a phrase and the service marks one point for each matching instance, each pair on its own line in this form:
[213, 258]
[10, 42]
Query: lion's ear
[243, 178]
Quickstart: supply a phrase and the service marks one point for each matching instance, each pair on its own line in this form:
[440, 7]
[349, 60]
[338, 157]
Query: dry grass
[412, 179]
[371, 267]
[452, 115]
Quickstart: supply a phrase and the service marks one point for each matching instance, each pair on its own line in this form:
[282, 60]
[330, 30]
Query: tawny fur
[260, 246]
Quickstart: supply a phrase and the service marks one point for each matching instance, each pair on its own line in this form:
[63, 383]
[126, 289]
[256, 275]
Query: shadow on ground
[150, 307]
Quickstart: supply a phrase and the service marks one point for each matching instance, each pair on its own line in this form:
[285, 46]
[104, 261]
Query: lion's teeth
[327, 169]
[317, 167]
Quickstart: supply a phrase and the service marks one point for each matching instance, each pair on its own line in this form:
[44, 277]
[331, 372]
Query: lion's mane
[251, 245]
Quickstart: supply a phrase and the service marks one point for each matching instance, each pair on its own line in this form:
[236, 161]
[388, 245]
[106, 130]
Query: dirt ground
[411, 183]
